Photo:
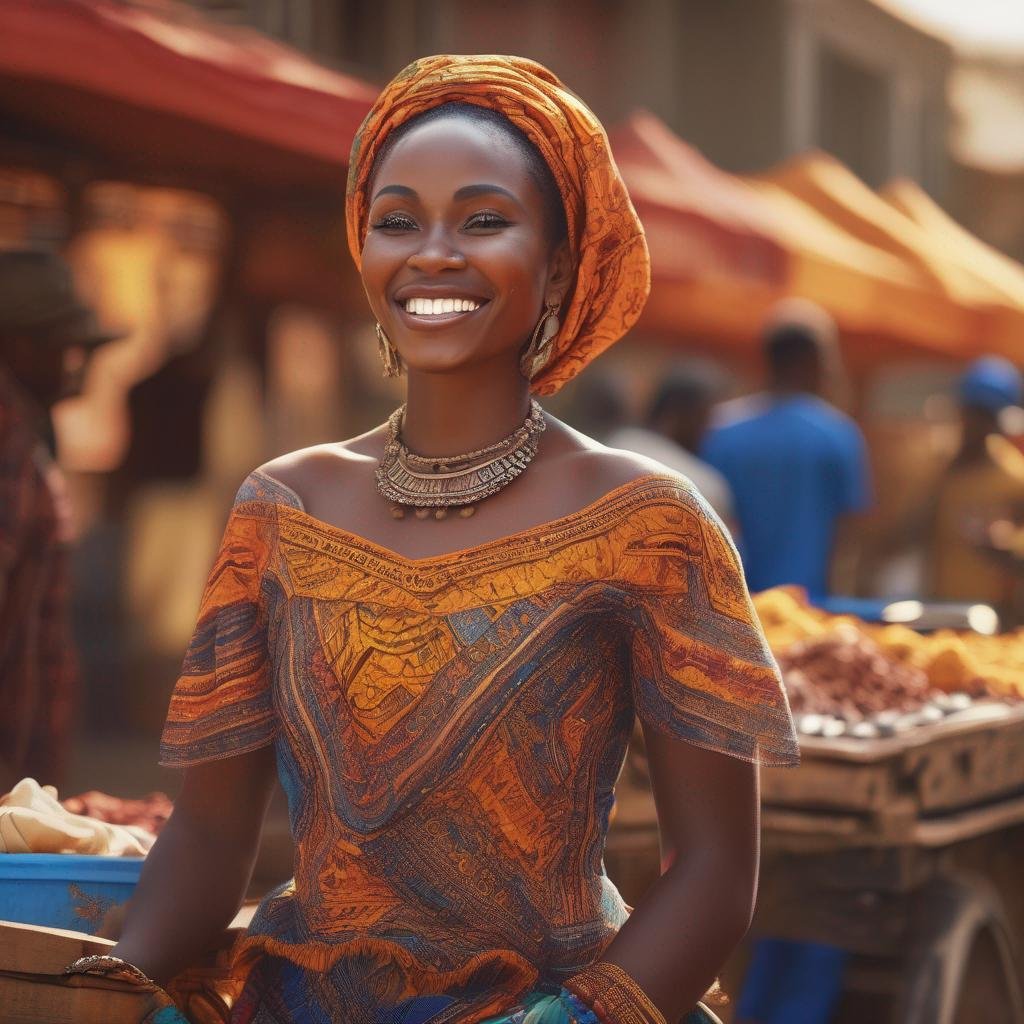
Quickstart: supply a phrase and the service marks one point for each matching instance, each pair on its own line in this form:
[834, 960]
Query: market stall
[192, 173]
[899, 837]
[127, 108]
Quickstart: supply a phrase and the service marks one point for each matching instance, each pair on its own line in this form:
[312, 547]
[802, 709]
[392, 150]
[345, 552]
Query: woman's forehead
[452, 152]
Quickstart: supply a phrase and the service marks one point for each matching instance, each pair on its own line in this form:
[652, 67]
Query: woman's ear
[560, 272]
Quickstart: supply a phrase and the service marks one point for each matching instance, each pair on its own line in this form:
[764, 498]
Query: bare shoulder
[595, 467]
[308, 471]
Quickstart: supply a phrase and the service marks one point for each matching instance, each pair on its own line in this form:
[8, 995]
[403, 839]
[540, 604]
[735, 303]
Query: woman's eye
[486, 220]
[396, 222]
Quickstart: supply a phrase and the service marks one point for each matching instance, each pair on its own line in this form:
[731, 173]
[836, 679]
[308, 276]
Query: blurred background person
[674, 427]
[980, 491]
[600, 407]
[46, 333]
[796, 464]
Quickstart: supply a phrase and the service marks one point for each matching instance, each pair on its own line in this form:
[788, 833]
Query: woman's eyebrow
[395, 190]
[472, 191]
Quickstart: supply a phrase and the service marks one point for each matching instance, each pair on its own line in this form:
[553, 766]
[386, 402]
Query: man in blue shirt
[795, 463]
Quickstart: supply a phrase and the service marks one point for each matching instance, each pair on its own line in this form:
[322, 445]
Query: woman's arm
[690, 920]
[195, 877]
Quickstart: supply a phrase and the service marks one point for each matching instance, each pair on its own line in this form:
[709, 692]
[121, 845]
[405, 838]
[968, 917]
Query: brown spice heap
[845, 674]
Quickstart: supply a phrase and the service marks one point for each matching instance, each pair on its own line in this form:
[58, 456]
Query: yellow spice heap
[953, 661]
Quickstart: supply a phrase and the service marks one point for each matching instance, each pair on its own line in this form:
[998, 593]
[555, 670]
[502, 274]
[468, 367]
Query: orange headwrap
[605, 236]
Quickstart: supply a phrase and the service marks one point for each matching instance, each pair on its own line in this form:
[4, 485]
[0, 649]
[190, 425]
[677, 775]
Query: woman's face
[457, 263]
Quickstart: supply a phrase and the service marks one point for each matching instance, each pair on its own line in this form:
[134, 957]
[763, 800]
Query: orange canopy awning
[157, 90]
[866, 289]
[999, 271]
[966, 314]
[700, 221]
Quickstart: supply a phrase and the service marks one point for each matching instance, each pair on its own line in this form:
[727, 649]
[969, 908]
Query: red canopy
[157, 89]
[700, 221]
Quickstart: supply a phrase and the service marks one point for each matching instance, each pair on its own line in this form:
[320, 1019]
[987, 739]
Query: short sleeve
[701, 667]
[221, 705]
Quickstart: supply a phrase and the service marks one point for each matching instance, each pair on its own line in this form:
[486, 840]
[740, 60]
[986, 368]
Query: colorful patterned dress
[448, 732]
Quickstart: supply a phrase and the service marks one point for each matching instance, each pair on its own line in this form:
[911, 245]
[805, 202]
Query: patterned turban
[607, 242]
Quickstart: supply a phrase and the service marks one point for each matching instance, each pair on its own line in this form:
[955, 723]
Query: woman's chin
[441, 360]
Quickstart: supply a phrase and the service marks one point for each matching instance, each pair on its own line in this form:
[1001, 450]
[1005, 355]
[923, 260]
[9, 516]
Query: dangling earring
[388, 356]
[538, 352]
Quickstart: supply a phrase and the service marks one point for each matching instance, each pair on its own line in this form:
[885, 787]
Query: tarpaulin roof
[157, 89]
[699, 220]
[968, 314]
[868, 290]
[958, 245]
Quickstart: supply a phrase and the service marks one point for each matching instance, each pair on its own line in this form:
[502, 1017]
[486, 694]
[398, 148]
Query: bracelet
[105, 966]
[614, 995]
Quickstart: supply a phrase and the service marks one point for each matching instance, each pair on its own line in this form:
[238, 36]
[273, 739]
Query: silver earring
[388, 355]
[538, 352]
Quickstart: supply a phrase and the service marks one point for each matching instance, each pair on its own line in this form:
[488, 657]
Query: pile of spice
[953, 661]
[841, 682]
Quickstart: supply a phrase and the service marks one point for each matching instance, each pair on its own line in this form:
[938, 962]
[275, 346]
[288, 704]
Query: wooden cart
[906, 851]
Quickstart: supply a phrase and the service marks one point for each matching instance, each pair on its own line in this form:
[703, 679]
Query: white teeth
[436, 307]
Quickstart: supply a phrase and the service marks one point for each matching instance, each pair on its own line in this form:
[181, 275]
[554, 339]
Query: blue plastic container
[64, 890]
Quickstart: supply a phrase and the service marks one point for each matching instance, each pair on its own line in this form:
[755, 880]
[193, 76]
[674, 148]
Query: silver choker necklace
[433, 485]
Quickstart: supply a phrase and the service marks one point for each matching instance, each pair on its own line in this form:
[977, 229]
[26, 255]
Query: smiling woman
[447, 699]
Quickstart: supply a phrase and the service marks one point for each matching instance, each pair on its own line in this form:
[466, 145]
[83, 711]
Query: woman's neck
[450, 414]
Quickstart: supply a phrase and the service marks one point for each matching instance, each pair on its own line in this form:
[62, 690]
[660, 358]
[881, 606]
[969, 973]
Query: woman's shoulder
[296, 477]
[608, 470]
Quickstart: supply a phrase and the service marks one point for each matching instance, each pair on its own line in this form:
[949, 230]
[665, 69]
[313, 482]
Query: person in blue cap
[981, 489]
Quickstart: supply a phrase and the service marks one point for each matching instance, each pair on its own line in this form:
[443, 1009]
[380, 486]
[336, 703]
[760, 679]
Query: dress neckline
[297, 511]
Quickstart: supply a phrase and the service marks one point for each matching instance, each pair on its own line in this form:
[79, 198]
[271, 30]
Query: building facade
[749, 82]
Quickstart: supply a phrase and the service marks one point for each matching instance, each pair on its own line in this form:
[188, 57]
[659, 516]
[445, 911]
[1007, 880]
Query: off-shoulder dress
[448, 731]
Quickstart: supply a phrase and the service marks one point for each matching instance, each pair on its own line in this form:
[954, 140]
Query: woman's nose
[436, 254]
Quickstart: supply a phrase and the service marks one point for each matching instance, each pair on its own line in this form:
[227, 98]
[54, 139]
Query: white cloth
[33, 821]
[711, 484]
